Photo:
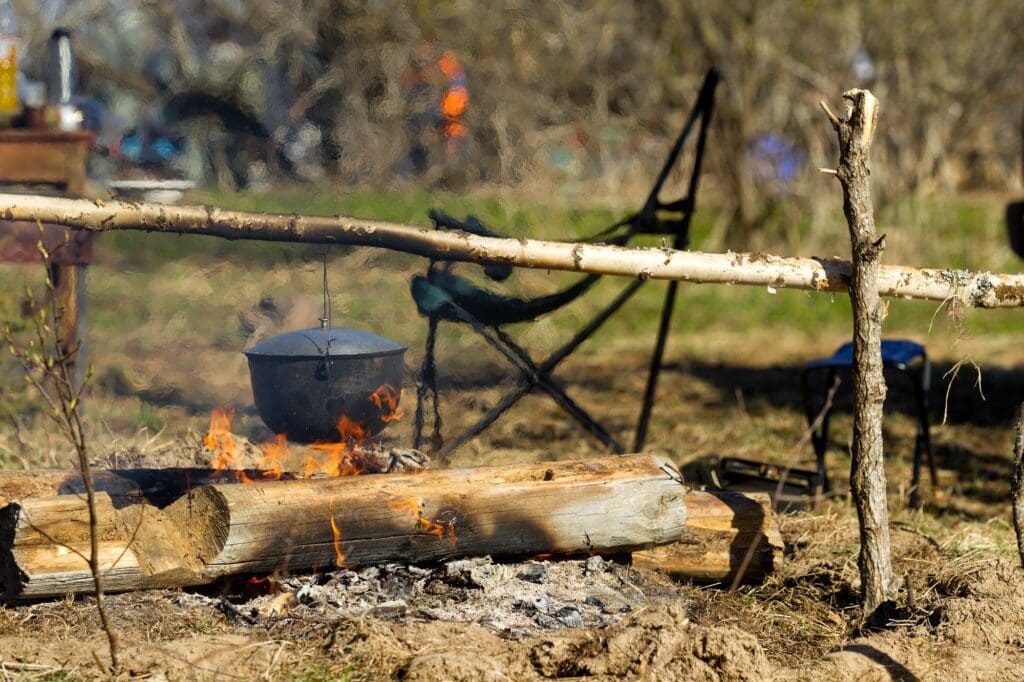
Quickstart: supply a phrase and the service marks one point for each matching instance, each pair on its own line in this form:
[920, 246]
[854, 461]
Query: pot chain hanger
[325, 321]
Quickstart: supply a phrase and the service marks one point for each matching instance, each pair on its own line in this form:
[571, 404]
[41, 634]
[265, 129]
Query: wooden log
[608, 505]
[983, 290]
[730, 537]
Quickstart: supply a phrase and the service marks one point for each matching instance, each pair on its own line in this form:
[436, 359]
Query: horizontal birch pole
[981, 290]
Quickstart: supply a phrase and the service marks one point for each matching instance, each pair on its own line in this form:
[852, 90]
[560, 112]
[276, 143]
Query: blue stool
[907, 357]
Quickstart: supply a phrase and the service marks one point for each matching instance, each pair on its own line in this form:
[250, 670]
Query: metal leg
[655, 368]
[530, 371]
[819, 429]
[428, 383]
[524, 386]
[922, 443]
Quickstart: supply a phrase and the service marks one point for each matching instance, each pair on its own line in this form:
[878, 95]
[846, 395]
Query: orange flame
[339, 459]
[220, 441]
[339, 556]
[275, 452]
[439, 530]
[386, 399]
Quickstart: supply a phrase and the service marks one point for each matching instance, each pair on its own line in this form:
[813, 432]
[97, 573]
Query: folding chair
[442, 295]
[906, 357]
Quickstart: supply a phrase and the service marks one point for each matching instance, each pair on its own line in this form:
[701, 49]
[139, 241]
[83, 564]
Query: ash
[513, 600]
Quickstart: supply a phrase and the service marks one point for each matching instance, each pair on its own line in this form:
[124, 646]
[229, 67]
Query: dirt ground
[165, 338]
[961, 613]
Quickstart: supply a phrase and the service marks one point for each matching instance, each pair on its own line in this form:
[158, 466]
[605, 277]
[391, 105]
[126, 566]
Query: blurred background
[545, 119]
[583, 96]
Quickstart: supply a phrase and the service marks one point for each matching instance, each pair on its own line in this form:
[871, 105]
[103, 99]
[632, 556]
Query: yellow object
[9, 103]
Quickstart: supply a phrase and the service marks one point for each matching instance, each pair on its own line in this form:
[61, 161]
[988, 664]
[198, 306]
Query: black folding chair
[442, 295]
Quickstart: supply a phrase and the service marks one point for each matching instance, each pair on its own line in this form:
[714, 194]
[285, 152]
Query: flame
[274, 453]
[220, 441]
[439, 530]
[339, 556]
[386, 399]
[338, 459]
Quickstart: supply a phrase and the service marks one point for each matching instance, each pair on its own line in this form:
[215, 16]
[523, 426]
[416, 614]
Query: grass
[168, 315]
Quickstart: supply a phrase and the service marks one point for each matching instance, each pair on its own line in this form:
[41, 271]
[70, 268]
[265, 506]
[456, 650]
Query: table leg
[69, 290]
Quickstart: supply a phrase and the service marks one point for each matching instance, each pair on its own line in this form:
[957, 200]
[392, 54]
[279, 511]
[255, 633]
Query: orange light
[454, 130]
[429, 527]
[339, 556]
[455, 101]
[339, 459]
[386, 398]
[275, 452]
[222, 444]
[449, 65]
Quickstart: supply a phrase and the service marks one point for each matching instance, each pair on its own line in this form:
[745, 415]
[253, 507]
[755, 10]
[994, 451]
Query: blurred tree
[563, 91]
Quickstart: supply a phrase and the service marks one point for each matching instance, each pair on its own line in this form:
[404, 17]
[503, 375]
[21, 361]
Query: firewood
[983, 290]
[608, 505]
[729, 537]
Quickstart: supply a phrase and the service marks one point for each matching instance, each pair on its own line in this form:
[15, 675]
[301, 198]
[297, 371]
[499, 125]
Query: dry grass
[167, 325]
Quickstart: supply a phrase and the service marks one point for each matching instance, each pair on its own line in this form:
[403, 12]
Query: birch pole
[980, 290]
[867, 470]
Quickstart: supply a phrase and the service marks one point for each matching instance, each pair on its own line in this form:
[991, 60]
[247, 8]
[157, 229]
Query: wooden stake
[982, 290]
[1017, 483]
[867, 472]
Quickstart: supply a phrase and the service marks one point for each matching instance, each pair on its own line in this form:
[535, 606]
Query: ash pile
[511, 599]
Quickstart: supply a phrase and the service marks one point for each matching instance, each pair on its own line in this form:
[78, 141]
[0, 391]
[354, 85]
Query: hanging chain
[325, 321]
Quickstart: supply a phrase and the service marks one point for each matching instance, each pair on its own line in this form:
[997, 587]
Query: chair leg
[525, 385]
[427, 384]
[655, 367]
[818, 423]
[923, 441]
[522, 362]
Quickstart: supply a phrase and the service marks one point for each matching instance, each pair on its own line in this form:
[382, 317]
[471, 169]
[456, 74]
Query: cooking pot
[305, 381]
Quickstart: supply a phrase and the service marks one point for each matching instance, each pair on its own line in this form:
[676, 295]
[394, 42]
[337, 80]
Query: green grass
[167, 315]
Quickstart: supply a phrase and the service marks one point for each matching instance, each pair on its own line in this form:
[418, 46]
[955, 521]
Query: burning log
[983, 290]
[730, 537]
[609, 505]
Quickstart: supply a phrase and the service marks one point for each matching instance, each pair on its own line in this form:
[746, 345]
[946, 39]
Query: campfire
[302, 505]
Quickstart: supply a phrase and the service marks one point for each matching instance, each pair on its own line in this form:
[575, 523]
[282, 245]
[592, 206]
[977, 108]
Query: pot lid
[312, 343]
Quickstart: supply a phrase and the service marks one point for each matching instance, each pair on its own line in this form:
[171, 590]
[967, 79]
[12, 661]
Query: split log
[982, 290]
[608, 505]
[730, 538]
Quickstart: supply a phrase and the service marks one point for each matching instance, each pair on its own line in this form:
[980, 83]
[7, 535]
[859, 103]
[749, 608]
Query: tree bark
[981, 290]
[608, 505]
[1017, 483]
[867, 471]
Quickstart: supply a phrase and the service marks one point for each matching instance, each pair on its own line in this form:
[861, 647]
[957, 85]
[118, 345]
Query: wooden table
[55, 159]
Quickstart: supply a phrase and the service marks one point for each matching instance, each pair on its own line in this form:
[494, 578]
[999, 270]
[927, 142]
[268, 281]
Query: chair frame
[650, 219]
[917, 370]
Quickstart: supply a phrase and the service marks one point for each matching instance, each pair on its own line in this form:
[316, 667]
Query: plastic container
[10, 105]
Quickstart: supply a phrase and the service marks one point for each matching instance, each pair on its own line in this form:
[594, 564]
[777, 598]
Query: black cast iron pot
[303, 386]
